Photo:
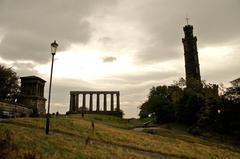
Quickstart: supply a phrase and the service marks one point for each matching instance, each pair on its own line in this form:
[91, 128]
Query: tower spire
[187, 19]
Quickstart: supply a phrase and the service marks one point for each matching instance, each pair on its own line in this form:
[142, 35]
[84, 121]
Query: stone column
[105, 102]
[84, 101]
[73, 102]
[112, 102]
[118, 101]
[90, 102]
[76, 102]
[71, 109]
[98, 103]
[37, 90]
[42, 90]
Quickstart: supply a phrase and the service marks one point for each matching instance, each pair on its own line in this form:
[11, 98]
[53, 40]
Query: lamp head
[54, 46]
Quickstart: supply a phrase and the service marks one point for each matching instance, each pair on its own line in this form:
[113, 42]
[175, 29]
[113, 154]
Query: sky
[119, 45]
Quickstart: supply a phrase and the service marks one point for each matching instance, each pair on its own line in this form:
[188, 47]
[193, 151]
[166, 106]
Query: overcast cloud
[126, 45]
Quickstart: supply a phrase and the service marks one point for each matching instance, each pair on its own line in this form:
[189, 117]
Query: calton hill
[190, 119]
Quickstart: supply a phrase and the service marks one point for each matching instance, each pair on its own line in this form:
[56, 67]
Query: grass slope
[72, 137]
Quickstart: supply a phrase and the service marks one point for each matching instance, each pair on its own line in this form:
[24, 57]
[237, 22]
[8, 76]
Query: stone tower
[32, 94]
[193, 78]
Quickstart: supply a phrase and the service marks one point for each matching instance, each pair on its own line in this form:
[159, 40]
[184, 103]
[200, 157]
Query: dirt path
[139, 129]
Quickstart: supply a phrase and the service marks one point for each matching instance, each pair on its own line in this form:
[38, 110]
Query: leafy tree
[200, 108]
[233, 93]
[189, 106]
[230, 118]
[144, 110]
[209, 114]
[159, 103]
[181, 83]
[9, 85]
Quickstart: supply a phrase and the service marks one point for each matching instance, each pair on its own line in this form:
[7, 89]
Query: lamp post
[219, 111]
[15, 108]
[54, 46]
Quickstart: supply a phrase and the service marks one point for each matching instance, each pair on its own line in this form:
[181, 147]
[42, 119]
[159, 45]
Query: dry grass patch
[68, 136]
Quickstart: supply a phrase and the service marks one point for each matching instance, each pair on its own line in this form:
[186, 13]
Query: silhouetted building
[32, 94]
[112, 109]
[193, 78]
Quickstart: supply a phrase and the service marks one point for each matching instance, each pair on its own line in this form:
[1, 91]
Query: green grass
[112, 138]
[111, 121]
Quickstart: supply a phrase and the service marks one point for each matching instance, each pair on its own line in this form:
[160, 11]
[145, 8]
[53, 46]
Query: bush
[189, 107]
[9, 85]
[195, 130]
[9, 150]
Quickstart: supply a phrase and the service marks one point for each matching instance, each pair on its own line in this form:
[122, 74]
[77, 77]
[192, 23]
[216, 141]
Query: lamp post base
[47, 124]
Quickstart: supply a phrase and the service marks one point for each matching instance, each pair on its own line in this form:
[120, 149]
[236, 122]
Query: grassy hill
[73, 138]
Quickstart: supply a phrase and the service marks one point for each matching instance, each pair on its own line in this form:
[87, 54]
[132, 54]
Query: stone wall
[15, 109]
[115, 113]
[37, 104]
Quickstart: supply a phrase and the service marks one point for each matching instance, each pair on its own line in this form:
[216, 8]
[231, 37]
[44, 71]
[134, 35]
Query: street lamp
[54, 46]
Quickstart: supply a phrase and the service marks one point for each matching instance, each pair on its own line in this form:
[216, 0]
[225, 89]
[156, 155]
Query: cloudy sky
[125, 45]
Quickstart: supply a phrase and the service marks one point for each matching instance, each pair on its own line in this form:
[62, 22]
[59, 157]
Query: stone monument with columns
[100, 107]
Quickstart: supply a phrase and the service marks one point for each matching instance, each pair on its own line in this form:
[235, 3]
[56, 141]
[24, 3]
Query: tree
[189, 106]
[231, 107]
[233, 93]
[159, 103]
[144, 110]
[9, 85]
[181, 83]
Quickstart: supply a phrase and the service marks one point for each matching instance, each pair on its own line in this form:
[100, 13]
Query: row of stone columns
[74, 100]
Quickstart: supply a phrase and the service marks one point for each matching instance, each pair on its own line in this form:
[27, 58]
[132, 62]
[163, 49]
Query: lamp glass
[54, 46]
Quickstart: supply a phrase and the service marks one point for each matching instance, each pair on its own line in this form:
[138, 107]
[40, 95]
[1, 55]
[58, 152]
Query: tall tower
[193, 79]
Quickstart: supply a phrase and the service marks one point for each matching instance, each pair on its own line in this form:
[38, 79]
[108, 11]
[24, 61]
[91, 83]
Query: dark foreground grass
[72, 137]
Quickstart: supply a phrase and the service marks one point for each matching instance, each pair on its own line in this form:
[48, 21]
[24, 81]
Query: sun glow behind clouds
[215, 57]
[87, 64]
